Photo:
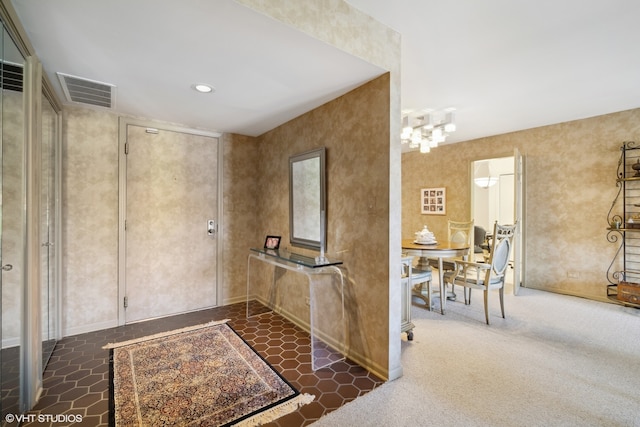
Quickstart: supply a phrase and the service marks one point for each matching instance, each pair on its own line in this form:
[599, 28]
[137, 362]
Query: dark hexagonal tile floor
[76, 379]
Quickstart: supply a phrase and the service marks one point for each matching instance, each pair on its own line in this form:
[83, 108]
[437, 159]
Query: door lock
[211, 227]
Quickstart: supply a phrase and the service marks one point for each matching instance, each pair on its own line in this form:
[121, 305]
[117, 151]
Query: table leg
[423, 263]
[443, 289]
[324, 350]
[330, 348]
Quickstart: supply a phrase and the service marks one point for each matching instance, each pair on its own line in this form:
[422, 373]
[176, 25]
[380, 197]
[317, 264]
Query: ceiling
[510, 65]
[503, 65]
[264, 72]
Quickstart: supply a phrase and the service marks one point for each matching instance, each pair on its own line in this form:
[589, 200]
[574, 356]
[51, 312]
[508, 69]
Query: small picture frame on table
[272, 242]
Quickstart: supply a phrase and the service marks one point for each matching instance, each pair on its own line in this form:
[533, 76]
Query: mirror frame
[295, 238]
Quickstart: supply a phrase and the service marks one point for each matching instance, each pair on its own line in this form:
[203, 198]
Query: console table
[326, 347]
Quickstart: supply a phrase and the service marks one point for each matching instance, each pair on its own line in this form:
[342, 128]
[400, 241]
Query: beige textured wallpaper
[89, 219]
[570, 183]
[241, 212]
[341, 25]
[357, 205]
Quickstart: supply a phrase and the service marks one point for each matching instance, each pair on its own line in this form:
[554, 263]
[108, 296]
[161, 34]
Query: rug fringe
[165, 334]
[277, 411]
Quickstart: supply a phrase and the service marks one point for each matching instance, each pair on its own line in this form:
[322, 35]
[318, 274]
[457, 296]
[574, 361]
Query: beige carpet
[554, 361]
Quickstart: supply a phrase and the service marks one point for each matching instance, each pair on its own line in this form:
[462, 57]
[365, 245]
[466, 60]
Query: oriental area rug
[204, 375]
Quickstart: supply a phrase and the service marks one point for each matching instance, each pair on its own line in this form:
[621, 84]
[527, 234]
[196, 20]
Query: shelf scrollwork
[614, 275]
[613, 235]
[613, 219]
[627, 145]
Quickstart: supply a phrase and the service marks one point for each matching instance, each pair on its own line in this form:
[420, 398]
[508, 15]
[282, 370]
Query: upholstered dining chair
[420, 284]
[412, 282]
[480, 243]
[489, 275]
[458, 232]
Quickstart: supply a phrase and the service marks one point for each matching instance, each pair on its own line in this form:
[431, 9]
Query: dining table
[439, 250]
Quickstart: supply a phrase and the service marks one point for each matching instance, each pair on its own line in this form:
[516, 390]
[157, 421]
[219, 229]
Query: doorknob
[7, 267]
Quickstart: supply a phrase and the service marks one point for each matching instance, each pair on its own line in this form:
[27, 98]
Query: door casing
[518, 212]
[124, 123]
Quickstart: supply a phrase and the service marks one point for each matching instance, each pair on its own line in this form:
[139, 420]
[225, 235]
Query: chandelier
[427, 129]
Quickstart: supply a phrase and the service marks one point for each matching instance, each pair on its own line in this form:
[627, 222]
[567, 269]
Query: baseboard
[561, 291]
[234, 300]
[89, 328]
[10, 342]
[395, 374]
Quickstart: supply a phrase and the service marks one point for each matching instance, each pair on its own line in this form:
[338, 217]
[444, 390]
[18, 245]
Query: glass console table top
[302, 260]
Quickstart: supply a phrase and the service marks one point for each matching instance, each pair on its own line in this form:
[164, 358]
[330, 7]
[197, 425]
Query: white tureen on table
[425, 237]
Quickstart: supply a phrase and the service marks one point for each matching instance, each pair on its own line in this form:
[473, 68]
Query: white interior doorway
[497, 195]
[169, 211]
[493, 192]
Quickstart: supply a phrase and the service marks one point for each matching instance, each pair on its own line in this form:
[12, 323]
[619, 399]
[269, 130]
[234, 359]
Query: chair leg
[429, 295]
[453, 293]
[467, 299]
[448, 279]
[501, 291]
[486, 305]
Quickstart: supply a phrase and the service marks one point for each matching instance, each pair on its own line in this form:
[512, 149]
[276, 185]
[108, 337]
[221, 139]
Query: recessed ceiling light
[201, 87]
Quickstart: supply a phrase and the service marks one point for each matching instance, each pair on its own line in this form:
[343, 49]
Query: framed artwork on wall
[433, 201]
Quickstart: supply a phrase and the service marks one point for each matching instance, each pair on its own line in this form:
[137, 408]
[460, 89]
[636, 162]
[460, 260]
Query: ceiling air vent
[85, 91]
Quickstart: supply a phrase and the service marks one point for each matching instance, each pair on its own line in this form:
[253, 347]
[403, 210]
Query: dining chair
[418, 282]
[412, 278]
[458, 232]
[480, 243]
[489, 275]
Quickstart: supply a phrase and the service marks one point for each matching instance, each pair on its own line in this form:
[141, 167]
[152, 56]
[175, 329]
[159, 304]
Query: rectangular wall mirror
[307, 199]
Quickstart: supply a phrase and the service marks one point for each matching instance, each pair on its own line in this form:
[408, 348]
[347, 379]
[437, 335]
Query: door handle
[7, 267]
[211, 227]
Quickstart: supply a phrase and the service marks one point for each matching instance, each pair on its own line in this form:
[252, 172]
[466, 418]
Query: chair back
[460, 232]
[501, 248]
[479, 237]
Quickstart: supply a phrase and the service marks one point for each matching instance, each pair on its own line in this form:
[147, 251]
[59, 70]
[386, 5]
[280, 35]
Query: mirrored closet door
[49, 298]
[12, 220]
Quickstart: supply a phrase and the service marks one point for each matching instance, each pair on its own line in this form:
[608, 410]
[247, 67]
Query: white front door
[170, 247]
